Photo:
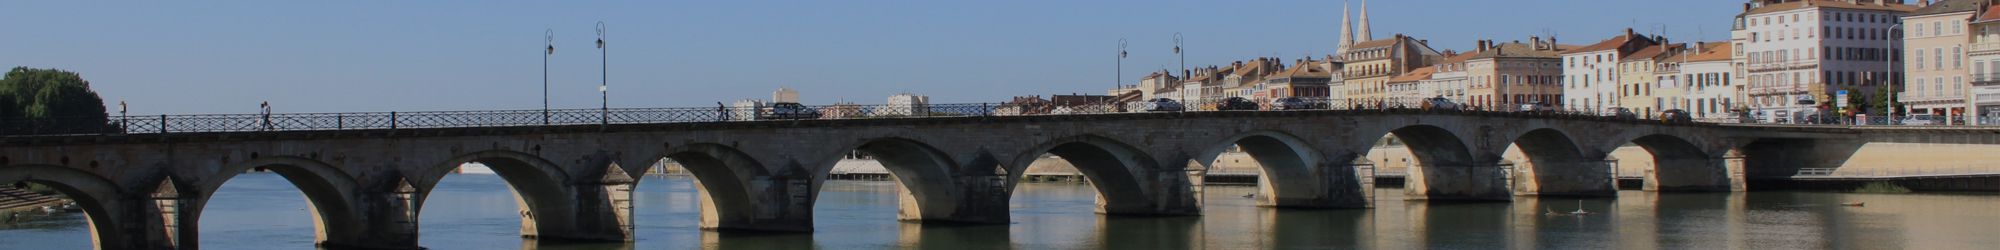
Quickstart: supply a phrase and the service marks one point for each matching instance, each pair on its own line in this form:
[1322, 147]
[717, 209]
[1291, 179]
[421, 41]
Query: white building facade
[1800, 53]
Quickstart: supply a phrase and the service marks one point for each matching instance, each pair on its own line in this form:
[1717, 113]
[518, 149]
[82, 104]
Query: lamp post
[549, 43]
[1184, 72]
[1889, 65]
[124, 120]
[1121, 69]
[604, 73]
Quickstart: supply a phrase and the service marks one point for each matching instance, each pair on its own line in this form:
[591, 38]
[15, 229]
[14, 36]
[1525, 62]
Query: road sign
[1842, 99]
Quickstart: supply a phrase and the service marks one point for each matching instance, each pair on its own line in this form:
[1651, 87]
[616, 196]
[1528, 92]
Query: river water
[263, 211]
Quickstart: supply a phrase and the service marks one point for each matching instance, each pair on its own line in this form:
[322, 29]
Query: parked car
[1290, 103]
[1236, 103]
[1158, 105]
[1620, 113]
[1537, 107]
[1675, 116]
[1920, 120]
[788, 111]
[1439, 103]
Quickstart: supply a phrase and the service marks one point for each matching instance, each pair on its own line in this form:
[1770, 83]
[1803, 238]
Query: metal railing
[1891, 172]
[205, 123]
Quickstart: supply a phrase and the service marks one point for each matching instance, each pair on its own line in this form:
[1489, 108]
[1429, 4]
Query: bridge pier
[776, 204]
[1468, 182]
[1564, 178]
[982, 199]
[1328, 186]
[389, 219]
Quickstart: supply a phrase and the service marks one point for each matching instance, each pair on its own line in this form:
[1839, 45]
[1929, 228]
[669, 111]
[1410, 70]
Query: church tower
[1366, 33]
[1346, 31]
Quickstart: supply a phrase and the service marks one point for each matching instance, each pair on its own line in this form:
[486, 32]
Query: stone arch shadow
[540, 188]
[926, 177]
[1291, 171]
[1680, 165]
[330, 196]
[1556, 166]
[1447, 169]
[110, 226]
[1122, 175]
[738, 192]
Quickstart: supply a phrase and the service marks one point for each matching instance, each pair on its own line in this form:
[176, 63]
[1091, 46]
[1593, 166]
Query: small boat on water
[1579, 211]
[71, 207]
[49, 209]
[1252, 195]
[1854, 204]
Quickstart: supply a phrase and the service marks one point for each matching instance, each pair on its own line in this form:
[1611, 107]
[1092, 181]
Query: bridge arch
[1680, 165]
[1445, 167]
[540, 185]
[723, 175]
[925, 176]
[328, 190]
[1117, 170]
[1557, 166]
[97, 196]
[1286, 174]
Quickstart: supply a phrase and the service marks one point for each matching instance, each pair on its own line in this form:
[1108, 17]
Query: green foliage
[49, 101]
[1882, 187]
[1878, 103]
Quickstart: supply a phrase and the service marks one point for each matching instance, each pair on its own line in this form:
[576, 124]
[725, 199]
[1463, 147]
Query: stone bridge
[365, 187]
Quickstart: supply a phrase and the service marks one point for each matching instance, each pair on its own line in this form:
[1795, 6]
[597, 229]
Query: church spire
[1346, 30]
[1366, 33]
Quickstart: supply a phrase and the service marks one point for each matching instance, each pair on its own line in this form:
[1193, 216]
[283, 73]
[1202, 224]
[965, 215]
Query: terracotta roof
[1794, 5]
[1607, 44]
[1991, 13]
[1517, 50]
[1304, 70]
[1947, 6]
[1375, 43]
[1653, 52]
[1713, 51]
[1461, 57]
[1419, 74]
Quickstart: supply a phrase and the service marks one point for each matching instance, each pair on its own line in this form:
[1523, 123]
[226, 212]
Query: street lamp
[604, 110]
[1184, 72]
[549, 43]
[1889, 65]
[1121, 69]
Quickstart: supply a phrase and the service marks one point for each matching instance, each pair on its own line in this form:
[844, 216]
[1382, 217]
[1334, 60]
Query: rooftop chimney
[1923, 3]
[1628, 32]
[1538, 42]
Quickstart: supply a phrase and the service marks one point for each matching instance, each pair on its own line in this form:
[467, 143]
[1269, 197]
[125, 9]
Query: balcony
[1989, 79]
[1986, 46]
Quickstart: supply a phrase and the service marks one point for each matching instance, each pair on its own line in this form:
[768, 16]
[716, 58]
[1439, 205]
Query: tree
[50, 101]
[1880, 101]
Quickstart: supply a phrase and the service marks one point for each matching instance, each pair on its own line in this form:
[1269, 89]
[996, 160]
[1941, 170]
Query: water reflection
[474, 212]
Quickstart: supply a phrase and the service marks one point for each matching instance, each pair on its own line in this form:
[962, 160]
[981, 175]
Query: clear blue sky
[332, 56]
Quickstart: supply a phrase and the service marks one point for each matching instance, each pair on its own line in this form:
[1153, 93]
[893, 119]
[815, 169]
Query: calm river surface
[263, 211]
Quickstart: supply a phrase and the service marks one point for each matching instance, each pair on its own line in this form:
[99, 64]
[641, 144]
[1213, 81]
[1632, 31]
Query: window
[1957, 28]
[1957, 58]
[1936, 28]
[1920, 58]
[1937, 55]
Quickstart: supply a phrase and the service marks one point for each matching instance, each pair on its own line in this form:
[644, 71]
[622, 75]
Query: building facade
[1590, 73]
[1935, 39]
[1800, 53]
[1504, 75]
[1706, 77]
[1985, 56]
